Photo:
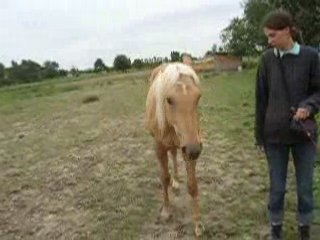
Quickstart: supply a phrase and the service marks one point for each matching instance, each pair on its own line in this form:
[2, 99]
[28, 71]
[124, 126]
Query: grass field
[77, 163]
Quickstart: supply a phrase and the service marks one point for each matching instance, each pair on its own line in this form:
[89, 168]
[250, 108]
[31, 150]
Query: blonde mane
[163, 79]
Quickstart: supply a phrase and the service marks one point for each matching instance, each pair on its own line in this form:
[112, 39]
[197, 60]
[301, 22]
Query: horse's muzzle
[192, 151]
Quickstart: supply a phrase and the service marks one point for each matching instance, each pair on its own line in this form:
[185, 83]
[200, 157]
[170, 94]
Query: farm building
[217, 62]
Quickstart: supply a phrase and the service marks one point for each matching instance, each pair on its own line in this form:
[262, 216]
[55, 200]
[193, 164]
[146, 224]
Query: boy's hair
[280, 19]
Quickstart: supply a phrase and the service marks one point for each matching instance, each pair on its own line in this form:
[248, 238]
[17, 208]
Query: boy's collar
[295, 50]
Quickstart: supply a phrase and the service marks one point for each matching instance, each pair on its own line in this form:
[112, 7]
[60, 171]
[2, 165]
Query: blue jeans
[304, 156]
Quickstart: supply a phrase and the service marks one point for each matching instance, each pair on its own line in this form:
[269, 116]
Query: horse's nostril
[194, 155]
[184, 148]
[192, 150]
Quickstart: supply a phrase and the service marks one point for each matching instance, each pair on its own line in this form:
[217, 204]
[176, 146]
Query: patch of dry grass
[90, 99]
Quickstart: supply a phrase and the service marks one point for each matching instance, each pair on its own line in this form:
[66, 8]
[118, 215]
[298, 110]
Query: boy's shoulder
[307, 50]
[268, 54]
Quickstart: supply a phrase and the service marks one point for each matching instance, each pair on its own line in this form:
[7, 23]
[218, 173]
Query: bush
[249, 64]
[91, 98]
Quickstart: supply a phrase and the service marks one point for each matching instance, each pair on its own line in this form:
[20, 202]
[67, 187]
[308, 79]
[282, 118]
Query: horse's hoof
[165, 213]
[199, 229]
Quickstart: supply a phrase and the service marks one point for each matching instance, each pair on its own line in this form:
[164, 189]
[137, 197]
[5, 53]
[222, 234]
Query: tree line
[30, 71]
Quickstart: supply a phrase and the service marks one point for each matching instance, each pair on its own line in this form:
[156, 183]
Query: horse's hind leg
[162, 156]
[175, 177]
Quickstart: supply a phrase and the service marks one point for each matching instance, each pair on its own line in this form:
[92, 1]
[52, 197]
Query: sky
[77, 32]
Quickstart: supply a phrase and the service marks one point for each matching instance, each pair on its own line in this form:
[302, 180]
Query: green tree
[122, 62]
[237, 39]
[27, 71]
[137, 63]
[2, 75]
[50, 69]
[175, 56]
[214, 48]
[99, 65]
[63, 73]
[74, 71]
[2, 69]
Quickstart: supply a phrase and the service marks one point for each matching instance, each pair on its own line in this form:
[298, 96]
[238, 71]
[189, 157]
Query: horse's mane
[162, 79]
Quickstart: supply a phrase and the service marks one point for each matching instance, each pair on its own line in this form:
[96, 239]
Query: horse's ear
[187, 59]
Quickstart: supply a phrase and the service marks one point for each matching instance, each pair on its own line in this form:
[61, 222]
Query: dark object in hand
[305, 128]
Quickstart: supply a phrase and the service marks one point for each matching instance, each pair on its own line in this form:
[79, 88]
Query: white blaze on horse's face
[182, 113]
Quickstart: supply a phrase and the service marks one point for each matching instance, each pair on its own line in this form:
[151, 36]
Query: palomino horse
[173, 121]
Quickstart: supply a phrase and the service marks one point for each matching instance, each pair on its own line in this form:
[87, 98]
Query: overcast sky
[77, 32]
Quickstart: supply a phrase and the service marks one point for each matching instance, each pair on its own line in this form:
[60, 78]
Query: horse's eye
[169, 100]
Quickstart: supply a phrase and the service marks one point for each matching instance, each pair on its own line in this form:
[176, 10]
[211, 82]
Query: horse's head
[172, 106]
[181, 111]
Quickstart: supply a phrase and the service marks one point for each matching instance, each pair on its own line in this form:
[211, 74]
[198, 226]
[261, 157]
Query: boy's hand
[301, 114]
[260, 148]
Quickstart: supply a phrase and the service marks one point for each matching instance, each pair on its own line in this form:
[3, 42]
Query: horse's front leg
[175, 177]
[162, 155]
[194, 193]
